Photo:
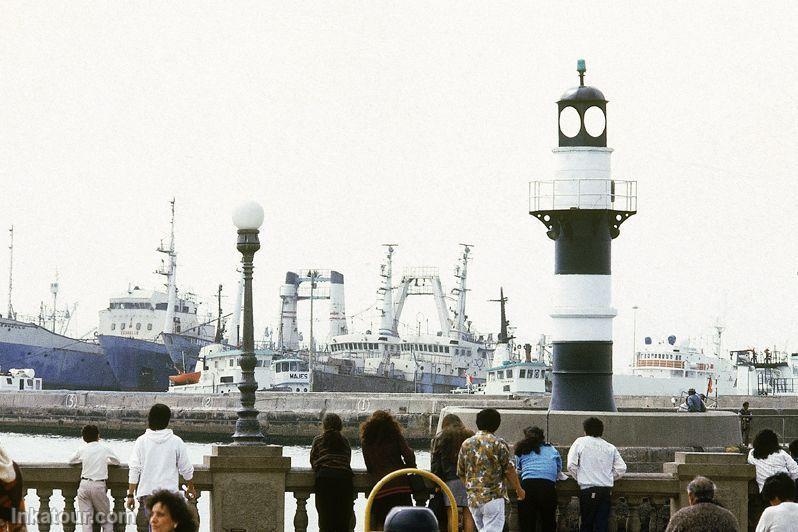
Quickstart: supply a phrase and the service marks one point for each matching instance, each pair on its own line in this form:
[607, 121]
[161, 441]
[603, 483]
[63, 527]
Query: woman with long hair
[385, 450]
[769, 458]
[330, 456]
[444, 452]
[169, 512]
[538, 464]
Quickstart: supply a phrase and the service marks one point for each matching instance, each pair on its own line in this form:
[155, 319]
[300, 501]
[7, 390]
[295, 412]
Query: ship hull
[60, 361]
[360, 382]
[139, 365]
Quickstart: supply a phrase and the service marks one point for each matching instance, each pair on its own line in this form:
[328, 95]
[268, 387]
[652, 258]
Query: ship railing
[558, 194]
[640, 501]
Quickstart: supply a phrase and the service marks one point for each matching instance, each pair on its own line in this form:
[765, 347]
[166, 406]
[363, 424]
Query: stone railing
[55, 481]
[641, 501]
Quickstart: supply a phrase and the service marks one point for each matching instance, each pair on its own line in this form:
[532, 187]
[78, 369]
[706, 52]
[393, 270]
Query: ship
[218, 372]
[384, 361]
[131, 330]
[59, 361]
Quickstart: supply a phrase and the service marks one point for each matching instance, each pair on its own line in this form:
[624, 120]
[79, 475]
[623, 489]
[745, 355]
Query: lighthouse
[582, 208]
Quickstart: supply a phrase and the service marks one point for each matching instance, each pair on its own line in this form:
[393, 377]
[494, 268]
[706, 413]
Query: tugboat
[218, 372]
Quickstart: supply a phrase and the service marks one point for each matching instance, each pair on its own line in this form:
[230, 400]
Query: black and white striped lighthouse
[582, 208]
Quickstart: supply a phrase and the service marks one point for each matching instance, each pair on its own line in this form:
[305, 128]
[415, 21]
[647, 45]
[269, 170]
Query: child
[92, 493]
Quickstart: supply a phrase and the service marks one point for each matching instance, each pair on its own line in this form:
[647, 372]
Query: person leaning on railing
[443, 463]
[330, 456]
[769, 458]
[384, 451]
[12, 495]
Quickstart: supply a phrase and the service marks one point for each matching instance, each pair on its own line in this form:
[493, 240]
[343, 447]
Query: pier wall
[297, 418]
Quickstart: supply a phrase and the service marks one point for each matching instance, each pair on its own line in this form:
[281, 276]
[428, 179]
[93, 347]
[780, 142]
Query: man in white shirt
[93, 500]
[159, 457]
[782, 515]
[595, 464]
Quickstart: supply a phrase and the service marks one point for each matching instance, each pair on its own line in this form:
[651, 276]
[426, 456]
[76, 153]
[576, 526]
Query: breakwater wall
[296, 418]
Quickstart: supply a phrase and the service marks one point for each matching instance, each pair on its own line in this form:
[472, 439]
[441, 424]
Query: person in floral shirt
[483, 465]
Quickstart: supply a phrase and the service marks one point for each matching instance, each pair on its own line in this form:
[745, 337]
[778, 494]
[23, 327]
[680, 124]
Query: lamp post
[634, 331]
[247, 218]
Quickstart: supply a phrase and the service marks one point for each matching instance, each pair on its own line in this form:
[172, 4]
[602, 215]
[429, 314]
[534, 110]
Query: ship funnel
[289, 333]
[528, 352]
[337, 313]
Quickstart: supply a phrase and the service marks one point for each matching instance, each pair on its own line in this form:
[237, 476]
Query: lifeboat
[185, 378]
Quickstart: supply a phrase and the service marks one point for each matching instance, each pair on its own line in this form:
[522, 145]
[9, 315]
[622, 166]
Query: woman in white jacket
[769, 458]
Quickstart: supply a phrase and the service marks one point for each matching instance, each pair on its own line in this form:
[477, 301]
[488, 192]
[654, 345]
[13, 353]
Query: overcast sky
[421, 123]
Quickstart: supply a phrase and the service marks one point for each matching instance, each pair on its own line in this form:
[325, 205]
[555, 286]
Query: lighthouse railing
[566, 194]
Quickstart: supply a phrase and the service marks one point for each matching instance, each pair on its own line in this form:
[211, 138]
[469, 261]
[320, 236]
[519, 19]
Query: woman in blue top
[538, 465]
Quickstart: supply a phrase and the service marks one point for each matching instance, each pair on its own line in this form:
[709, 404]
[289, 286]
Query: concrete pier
[296, 418]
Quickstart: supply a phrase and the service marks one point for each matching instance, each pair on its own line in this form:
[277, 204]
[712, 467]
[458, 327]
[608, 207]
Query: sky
[356, 124]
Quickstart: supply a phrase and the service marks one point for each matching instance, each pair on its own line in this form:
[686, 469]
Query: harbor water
[58, 448]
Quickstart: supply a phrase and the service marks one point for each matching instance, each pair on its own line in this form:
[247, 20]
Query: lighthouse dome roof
[583, 93]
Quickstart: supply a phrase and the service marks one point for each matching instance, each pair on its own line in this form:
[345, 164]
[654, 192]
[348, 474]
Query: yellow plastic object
[412, 471]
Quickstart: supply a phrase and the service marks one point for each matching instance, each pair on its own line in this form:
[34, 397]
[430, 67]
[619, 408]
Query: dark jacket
[703, 517]
[388, 456]
[330, 455]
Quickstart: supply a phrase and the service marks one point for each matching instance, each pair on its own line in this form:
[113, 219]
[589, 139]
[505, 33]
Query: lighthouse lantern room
[582, 208]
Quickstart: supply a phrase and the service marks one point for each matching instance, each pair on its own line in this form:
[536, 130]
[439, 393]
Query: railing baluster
[633, 525]
[301, 515]
[68, 518]
[43, 516]
[615, 514]
[118, 509]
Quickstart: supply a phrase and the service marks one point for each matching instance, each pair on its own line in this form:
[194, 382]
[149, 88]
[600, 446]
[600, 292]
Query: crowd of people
[478, 467]
[158, 460]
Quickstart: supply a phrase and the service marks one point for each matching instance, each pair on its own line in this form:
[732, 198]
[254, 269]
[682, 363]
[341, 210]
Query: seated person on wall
[703, 514]
[779, 491]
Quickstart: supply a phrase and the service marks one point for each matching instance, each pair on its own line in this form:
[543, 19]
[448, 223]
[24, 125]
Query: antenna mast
[169, 322]
[10, 272]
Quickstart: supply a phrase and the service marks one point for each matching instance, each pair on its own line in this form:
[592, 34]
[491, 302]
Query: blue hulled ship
[60, 361]
[131, 330]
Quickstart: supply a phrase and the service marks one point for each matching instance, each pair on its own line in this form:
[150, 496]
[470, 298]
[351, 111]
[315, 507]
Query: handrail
[411, 471]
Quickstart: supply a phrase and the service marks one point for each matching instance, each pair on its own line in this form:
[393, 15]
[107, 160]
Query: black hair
[90, 433]
[779, 486]
[593, 426]
[159, 416]
[765, 444]
[533, 439]
[793, 447]
[177, 507]
[489, 420]
[745, 404]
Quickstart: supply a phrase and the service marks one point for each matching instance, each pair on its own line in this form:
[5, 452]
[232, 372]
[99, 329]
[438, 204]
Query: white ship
[19, 380]
[218, 372]
[433, 362]
[668, 368]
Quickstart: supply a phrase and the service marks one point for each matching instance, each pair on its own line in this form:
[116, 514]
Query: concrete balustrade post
[729, 471]
[118, 509]
[301, 515]
[69, 517]
[249, 483]
[43, 516]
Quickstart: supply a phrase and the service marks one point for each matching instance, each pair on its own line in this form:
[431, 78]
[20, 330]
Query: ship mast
[10, 272]
[386, 321]
[503, 336]
[54, 291]
[169, 321]
[461, 274]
